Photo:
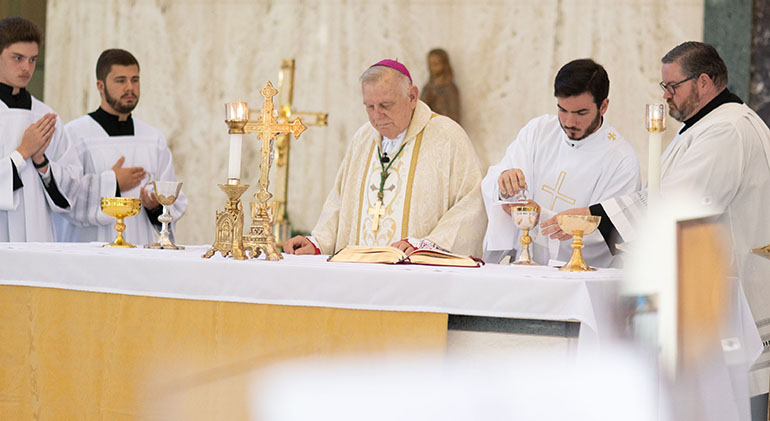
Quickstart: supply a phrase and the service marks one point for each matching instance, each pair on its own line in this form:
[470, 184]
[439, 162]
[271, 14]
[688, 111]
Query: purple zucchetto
[393, 64]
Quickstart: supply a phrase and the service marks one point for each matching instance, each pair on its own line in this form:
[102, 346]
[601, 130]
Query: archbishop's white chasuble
[97, 152]
[432, 191]
[561, 174]
[26, 213]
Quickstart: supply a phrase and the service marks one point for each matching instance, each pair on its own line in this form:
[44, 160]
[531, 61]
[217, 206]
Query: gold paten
[762, 251]
[577, 226]
[119, 208]
[287, 114]
[525, 218]
[229, 241]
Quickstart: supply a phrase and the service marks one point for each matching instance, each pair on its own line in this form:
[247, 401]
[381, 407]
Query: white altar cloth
[540, 293]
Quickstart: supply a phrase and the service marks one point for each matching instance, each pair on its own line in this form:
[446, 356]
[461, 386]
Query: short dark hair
[696, 58]
[17, 29]
[580, 76]
[110, 57]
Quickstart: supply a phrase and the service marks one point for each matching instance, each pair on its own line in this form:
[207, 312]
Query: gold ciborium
[119, 208]
[167, 193]
[577, 226]
[525, 218]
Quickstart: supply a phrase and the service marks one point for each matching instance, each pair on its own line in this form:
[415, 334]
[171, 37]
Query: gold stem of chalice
[120, 208]
[525, 218]
[577, 226]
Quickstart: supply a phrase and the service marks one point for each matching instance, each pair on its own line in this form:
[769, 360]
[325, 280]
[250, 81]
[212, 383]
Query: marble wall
[196, 55]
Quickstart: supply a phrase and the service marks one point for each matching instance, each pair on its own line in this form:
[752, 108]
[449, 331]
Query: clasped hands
[512, 181]
[36, 139]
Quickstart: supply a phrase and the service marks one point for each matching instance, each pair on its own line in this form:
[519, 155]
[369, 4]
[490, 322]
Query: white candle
[656, 125]
[653, 168]
[234, 164]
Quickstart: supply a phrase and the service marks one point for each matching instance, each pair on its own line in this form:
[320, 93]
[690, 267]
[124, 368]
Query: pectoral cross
[377, 211]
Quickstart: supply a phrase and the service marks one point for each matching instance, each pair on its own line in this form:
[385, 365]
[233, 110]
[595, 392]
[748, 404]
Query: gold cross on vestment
[556, 190]
[377, 211]
[611, 136]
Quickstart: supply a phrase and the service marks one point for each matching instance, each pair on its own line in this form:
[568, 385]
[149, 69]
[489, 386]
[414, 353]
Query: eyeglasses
[671, 88]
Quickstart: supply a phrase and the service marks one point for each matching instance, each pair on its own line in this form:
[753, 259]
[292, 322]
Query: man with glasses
[719, 158]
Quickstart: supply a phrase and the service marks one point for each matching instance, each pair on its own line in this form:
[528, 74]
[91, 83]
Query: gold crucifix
[377, 211]
[556, 190]
[287, 114]
[260, 237]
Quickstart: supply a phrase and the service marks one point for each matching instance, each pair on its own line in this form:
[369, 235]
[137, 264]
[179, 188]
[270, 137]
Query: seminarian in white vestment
[120, 155]
[561, 173]
[430, 196]
[34, 181]
[98, 150]
[26, 200]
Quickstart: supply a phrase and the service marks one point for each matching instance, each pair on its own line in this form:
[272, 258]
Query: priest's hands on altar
[511, 182]
[403, 246]
[128, 177]
[550, 226]
[37, 137]
[299, 244]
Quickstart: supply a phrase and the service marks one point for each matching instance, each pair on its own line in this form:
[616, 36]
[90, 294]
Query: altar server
[721, 158]
[120, 155]
[33, 181]
[571, 159]
[410, 177]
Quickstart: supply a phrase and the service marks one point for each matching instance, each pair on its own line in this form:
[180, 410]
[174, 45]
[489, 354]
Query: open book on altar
[387, 254]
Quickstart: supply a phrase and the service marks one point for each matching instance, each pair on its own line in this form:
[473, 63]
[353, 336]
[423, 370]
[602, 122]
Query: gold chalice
[119, 208]
[166, 192]
[577, 226]
[525, 218]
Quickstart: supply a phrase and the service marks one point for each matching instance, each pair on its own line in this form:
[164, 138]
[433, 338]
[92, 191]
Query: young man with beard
[33, 181]
[571, 159]
[120, 155]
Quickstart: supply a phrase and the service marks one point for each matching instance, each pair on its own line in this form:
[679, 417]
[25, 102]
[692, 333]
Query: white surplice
[97, 152]
[561, 174]
[26, 214]
[722, 161]
[432, 191]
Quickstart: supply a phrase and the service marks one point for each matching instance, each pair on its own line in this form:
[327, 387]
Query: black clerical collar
[21, 100]
[111, 125]
[724, 97]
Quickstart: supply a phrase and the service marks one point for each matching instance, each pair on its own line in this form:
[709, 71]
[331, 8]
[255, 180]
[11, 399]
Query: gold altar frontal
[84, 355]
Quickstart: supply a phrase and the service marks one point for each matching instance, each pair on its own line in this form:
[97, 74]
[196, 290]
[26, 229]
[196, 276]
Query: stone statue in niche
[440, 93]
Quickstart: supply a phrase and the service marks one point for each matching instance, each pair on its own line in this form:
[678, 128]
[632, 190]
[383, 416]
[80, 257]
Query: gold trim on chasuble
[409, 182]
[362, 192]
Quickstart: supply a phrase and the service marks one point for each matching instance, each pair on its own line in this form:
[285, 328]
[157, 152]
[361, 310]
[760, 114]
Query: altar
[99, 332]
